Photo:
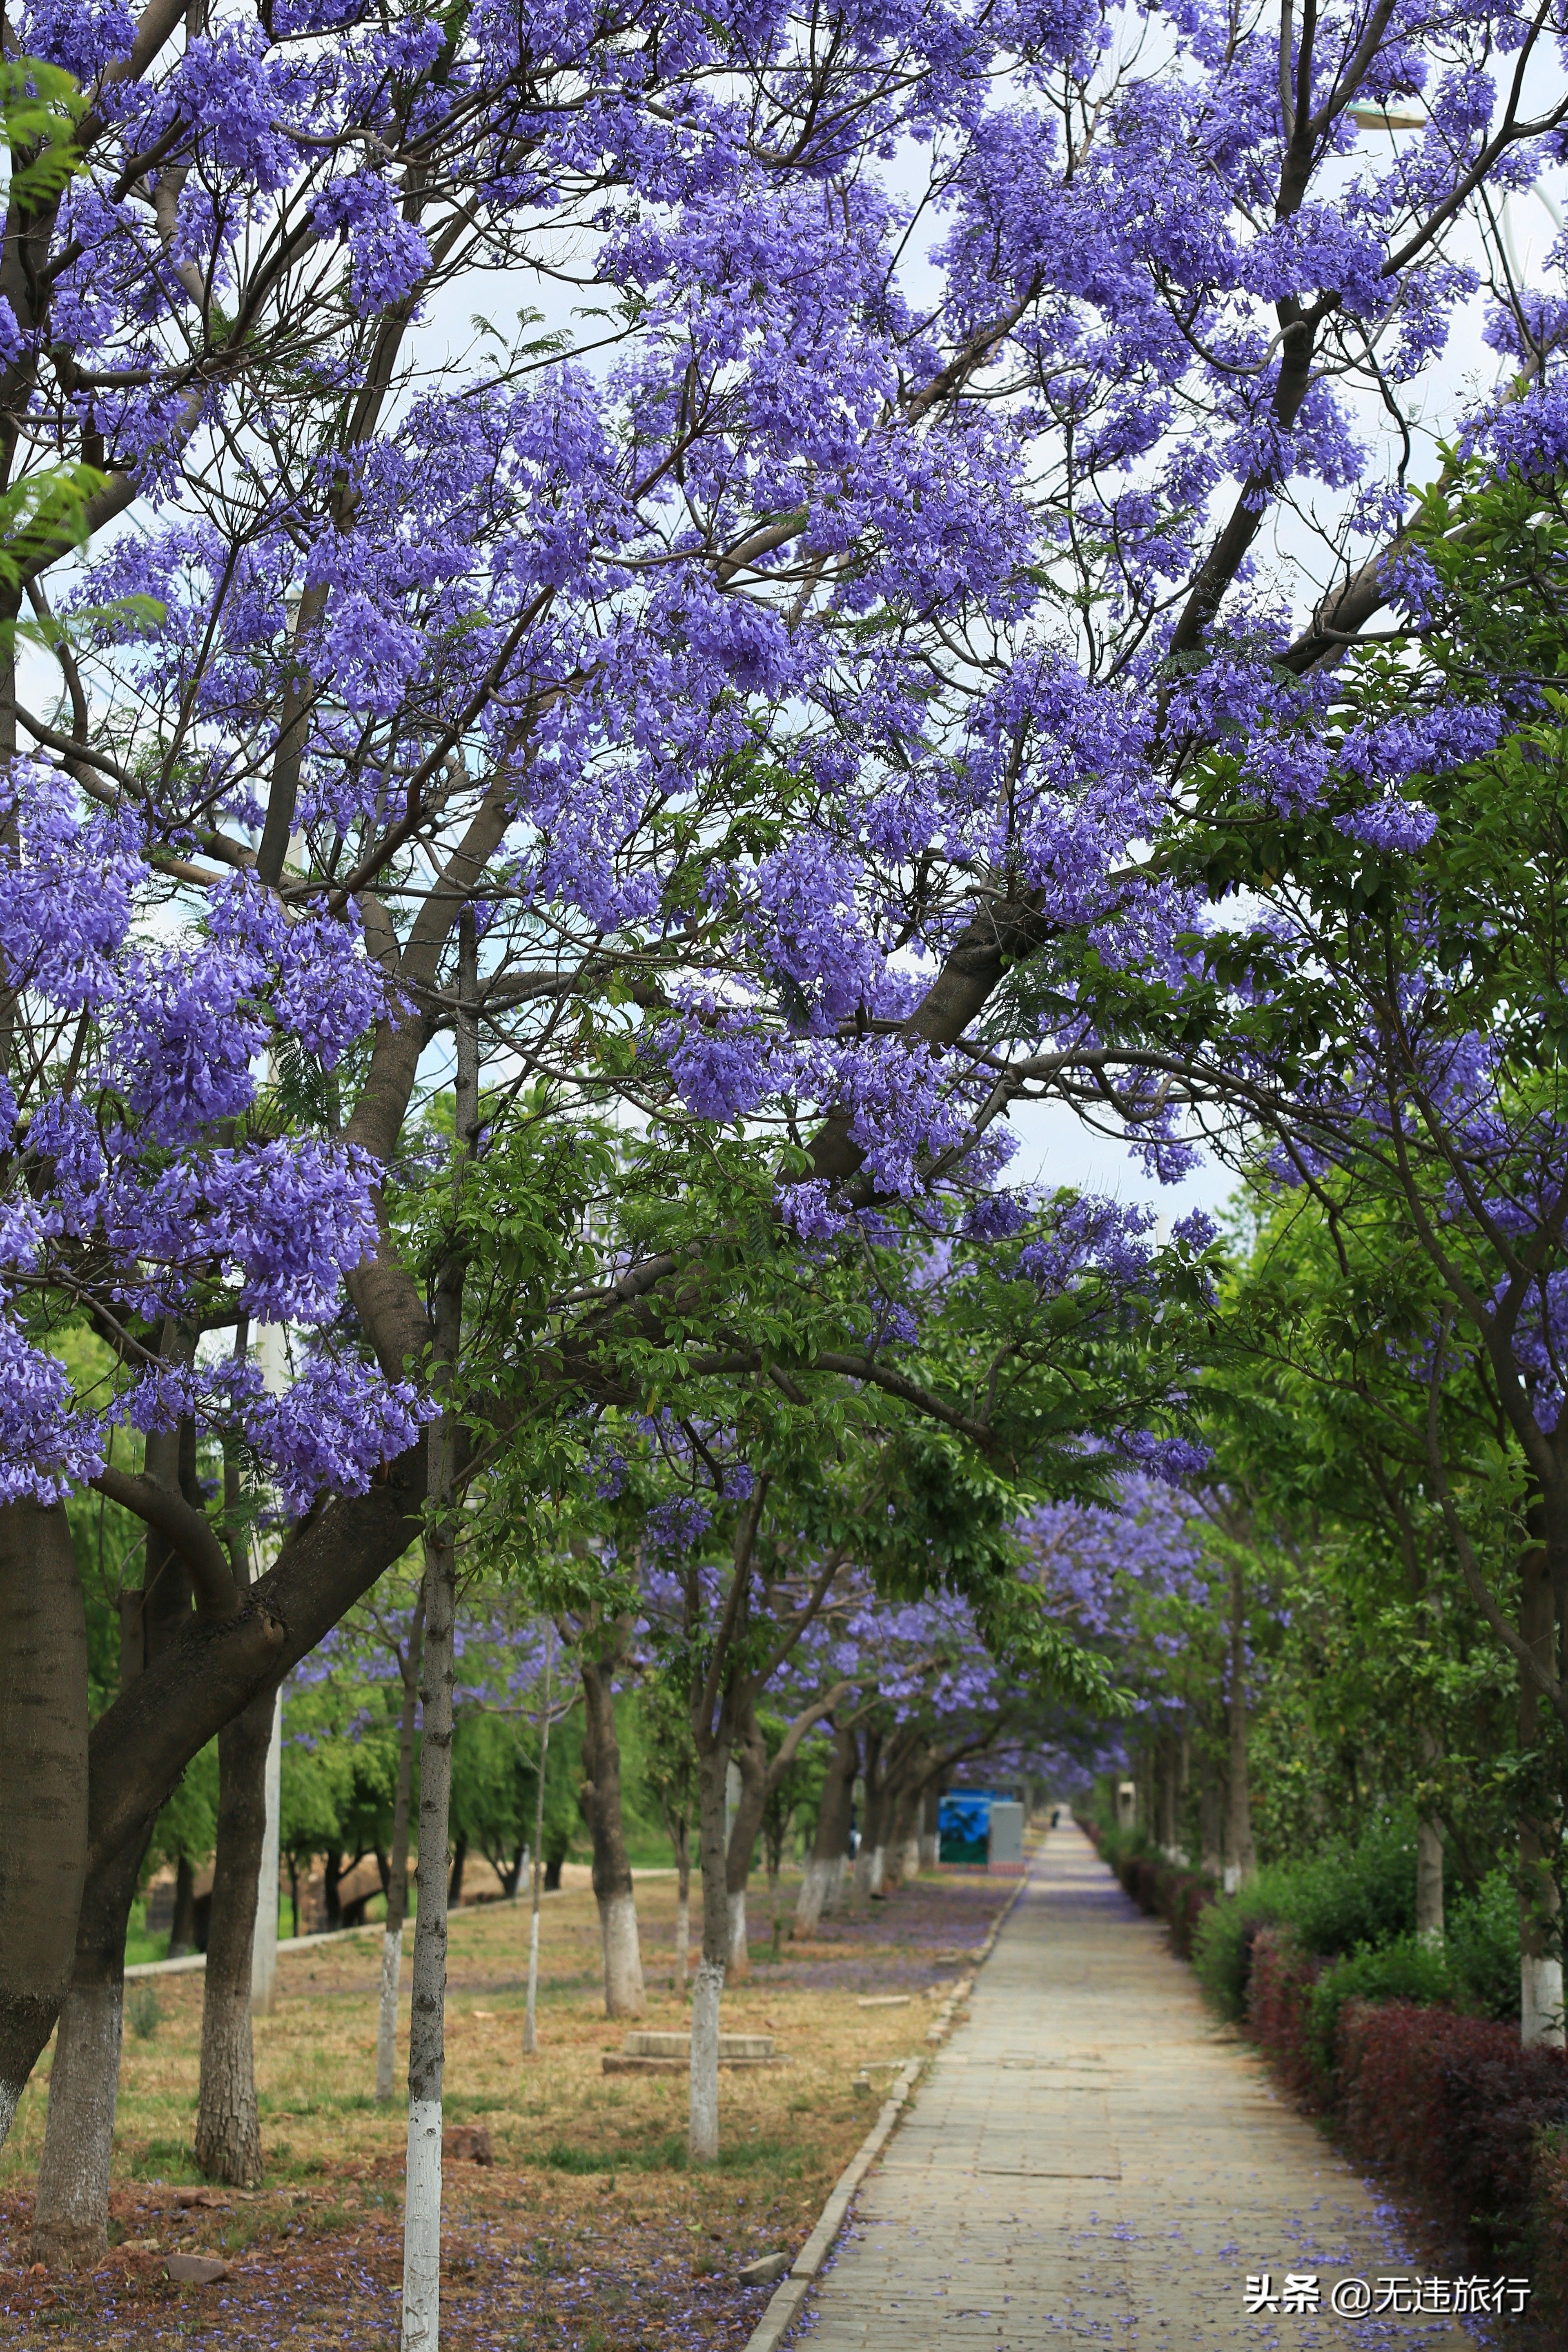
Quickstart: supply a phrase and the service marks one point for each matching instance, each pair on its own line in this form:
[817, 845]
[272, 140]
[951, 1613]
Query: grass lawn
[588, 2233]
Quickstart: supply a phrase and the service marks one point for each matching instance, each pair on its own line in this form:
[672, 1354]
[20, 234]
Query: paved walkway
[1091, 2161]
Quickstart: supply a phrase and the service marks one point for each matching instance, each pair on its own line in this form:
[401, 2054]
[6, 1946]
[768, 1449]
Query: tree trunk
[530, 2015]
[174, 1702]
[71, 2212]
[228, 2129]
[43, 1773]
[183, 1925]
[931, 1826]
[714, 1764]
[426, 2029]
[1210, 1817]
[1540, 2023]
[1170, 1792]
[1242, 1864]
[455, 1882]
[868, 1861]
[903, 1813]
[749, 1754]
[70, 2209]
[201, 1679]
[601, 1796]
[397, 1870]
[1429, 1881]
[680, 1838]
[332, 1874]
[1429, 1925]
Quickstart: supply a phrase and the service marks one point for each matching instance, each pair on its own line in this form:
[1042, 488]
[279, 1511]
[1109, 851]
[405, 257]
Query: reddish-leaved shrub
[1279, 2011]
[1455, 2107]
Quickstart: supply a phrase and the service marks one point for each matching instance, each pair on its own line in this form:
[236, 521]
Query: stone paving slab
[1092, 2161]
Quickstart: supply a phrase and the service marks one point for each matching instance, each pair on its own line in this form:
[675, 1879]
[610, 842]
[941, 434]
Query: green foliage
[494, 1776]
[1405, 1968]
[186, 1826]
[47, 510]
[1483, 1946]
[1354, 1894]
[1353, 1906]
[1349, 1895]
[670, 2155]
[1222, 1946]
[339, 1765]
[40, 106]
[495, 1784]
[143, 2010]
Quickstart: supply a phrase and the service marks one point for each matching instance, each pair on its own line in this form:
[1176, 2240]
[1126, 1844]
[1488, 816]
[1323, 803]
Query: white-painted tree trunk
[703, 2136]
[410, 1663]
[1540, 1899]
[1541, 2002]
[531, 2009]
[911, 1869]
[930, 1848]
[426, 2029]
[422, 2223]
[1243, 1853]
[387, 2022]
[623, 1993]
[811, 1900]
[739, 1956]
[706, 1993]
[71, 2206]
[682, 1938]
[877, 1874]
[837, 1882]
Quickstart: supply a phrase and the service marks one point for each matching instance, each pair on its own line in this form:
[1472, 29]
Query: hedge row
[1447, 2104]
[1450, 2105]
[1456, 2109]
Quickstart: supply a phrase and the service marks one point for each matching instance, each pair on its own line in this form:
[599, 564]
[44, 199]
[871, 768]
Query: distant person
[1056, 1815]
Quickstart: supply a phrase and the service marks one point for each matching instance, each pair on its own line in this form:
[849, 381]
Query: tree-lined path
[1092, 2161]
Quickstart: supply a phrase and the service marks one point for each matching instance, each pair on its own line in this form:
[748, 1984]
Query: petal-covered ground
[587, 2232]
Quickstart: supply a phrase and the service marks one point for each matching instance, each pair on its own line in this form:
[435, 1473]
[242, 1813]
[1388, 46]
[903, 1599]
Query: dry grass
[589, 2233]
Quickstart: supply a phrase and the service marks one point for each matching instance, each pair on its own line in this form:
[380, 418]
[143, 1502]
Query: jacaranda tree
[816, 608]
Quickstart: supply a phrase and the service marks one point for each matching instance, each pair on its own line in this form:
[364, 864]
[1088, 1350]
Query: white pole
[530, 2019]
[264, 1946]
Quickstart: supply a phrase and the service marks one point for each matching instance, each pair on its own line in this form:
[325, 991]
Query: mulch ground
[587, 2234]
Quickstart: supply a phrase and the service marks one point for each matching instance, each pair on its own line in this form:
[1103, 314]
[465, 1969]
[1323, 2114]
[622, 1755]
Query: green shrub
[1336, 1901]
[143, 2010]
[1222, 1941]
[1353, 1895]
[1405, 1970]
[1483, 1947]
